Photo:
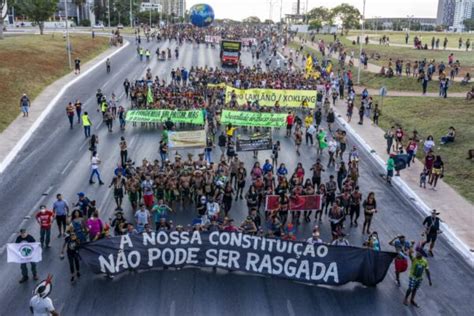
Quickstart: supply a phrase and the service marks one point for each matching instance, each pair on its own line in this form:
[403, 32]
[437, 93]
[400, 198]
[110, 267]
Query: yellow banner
[216, 85]
[268, 97]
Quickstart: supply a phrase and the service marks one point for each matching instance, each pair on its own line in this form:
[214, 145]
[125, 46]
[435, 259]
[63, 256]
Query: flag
[149, 97]
[24, 252]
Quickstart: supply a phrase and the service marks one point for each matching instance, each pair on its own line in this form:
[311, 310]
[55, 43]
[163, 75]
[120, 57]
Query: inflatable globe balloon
[201, 15]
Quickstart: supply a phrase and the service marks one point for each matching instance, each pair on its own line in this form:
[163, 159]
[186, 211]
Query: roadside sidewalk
[15, 136]
[456, 212]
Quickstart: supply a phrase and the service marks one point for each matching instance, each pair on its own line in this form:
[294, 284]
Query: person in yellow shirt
[230, 131]
[308, 120]
[86, 123]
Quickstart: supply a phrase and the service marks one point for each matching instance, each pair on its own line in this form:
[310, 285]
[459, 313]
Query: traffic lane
[147, 141]
[52, 149]
[76, 179]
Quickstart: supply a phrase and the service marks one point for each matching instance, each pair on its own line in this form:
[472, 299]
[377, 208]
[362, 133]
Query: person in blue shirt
[282, 171]
[267, 166]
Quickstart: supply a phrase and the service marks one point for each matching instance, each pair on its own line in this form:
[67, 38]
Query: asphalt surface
[56, 159]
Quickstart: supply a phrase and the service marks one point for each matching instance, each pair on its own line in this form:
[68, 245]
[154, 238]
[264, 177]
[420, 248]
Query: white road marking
[66, 167]
[12, 154]
[289, 306]
[173, 308]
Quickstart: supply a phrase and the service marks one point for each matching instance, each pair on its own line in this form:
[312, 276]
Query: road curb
[412, 197]
[24, 139]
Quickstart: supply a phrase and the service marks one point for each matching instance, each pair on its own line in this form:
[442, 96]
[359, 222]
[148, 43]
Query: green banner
[160, 116]
[240, 118]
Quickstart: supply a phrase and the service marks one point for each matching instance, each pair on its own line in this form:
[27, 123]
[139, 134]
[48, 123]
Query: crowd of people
[156, 189]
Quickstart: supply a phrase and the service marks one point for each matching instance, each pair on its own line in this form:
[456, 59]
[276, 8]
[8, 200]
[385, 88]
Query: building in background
[77, 10]
[463, 10]
[176, 8]
[445, 14]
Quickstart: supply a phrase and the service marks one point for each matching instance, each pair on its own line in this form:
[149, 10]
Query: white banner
[24, 252]
[187, 139]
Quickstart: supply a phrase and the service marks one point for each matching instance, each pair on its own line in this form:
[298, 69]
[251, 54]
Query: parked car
[120, 26]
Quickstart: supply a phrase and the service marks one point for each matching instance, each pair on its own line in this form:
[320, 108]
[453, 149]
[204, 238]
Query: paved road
[57, 160]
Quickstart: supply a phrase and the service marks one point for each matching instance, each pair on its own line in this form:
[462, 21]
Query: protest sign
[294, 260]
[187, 139]
[241, 118]
[268, 97]
[256, 142]
[300, 203]
[160, 116]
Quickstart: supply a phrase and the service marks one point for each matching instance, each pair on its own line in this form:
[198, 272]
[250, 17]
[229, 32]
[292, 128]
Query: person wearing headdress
[40, 303]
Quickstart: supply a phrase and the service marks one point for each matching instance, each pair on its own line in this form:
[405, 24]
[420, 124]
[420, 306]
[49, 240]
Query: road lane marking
[66, 167]
[173, 308]
[289, 306]
[19, 145]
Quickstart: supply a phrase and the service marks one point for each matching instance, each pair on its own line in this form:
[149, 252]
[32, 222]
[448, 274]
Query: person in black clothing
[431, 224]
[77, 66]
[222, 142]
[24, 237]
[71, 244]
[126, 87]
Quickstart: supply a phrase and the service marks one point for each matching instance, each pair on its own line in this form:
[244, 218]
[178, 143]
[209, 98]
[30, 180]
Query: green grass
[386, 53]
[374, 81]
[29, 63]
[433, 116]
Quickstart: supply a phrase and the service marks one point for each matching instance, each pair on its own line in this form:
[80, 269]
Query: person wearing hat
[45, 219]
[40, 303]
[432, 230]
[419, 264]
[390, 168]
[403, 248]
[83, 203]
[24, 237]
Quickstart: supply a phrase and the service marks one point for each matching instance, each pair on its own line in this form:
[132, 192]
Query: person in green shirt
[160, 211]
[418, 265]
[390, 168]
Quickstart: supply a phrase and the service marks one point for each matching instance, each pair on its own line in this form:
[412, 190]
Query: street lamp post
[108, 12]
[68, 42]
[360, 42]
[131, 16]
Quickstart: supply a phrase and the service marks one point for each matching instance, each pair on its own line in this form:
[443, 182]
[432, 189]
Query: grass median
[29, 63]
[433, 116]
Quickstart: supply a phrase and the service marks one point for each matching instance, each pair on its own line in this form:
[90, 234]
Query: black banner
[300, 261]
[257, 142]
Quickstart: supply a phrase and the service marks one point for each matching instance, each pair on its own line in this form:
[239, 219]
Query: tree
[38, 10]
[3, 14]
[321, 14]
[315, 25]
[349, 15]
[251, 19]
[468, 24]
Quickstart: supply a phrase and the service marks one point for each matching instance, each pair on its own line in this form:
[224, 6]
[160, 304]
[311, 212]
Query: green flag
[149, 97]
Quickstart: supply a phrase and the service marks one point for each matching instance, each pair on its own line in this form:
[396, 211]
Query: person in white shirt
[332, 147]
[40, 303]
[340, 241]
[142, 217]
[314, 239]
[212, 208]
[95, 162]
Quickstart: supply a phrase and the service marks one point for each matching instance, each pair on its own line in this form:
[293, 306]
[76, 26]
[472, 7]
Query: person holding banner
[403, 248]
[24, 237]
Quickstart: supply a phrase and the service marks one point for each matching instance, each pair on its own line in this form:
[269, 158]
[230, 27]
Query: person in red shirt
[290, 119]
[45, 219]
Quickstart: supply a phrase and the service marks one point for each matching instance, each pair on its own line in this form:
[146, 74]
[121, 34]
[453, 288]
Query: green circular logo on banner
[26, 251]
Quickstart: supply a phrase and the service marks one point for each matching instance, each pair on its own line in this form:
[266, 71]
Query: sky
[240, 9]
